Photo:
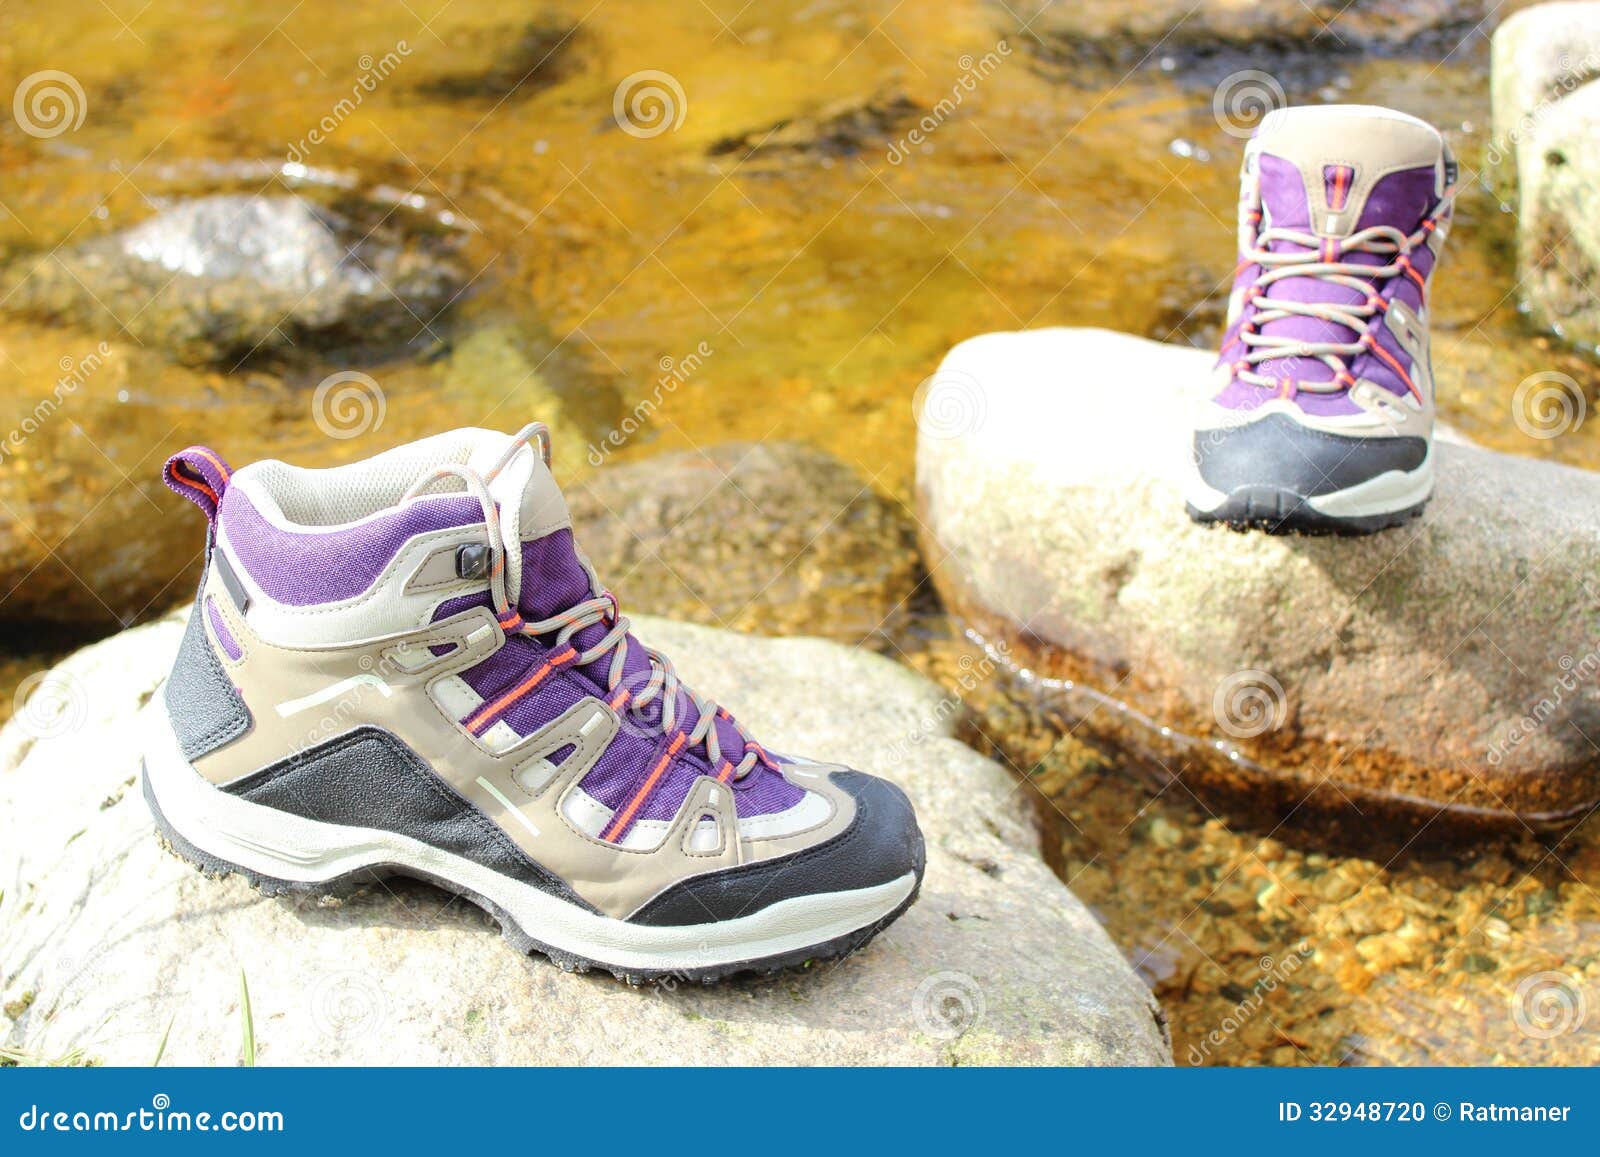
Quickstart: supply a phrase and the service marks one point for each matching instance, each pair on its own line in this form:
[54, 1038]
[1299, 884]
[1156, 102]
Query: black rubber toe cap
[1279, 453]
[881, 844]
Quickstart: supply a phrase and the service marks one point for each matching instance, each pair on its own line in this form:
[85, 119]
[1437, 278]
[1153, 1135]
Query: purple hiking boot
[405, 666]
[1320, 418]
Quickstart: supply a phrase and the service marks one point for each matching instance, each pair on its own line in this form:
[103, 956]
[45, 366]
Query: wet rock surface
[839, 130]
[769, 537]
[230, 279]
[1546, 120]
[518, 62]
[1125, 32]
[1443, 670]
[108, 938]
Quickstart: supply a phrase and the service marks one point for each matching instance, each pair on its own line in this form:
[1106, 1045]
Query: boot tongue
[1331, 170]
[537, 530]
[1334, 169]
[542, 563]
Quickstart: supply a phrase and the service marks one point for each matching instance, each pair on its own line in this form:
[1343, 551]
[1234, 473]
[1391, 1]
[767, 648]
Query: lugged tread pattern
[1274, 511]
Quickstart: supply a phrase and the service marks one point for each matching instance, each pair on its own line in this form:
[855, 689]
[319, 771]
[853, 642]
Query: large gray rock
[225, 278]
[1447, 665]
[108, 938]
[1546, 121]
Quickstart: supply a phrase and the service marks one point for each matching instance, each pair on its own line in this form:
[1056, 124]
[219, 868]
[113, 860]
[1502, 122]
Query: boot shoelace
[1318, 257]
[663, 685]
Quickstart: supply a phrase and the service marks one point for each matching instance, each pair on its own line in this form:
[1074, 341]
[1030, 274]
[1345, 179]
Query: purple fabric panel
[1422, 262]
[199, 474]
[732, 742]
[1231, 347]
[511, 663]
[670, 790]
[455, 606]
[304, 569]
[1240, 396]
[760, 793]
[552, 581]
[1406, 290]
[230, 645]
[552, 577]
[764, 792]
[1237, 395]
[1401, 199]
[614, 781]
[557, 692]
[619, 772]
[1283, 195]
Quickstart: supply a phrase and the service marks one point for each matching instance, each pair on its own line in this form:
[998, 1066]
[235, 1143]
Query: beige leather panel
[301, 697]
[1386, 146]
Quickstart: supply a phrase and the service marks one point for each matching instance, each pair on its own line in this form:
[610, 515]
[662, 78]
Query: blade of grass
[22, 1058]
[248, 1024]
[161, 1049]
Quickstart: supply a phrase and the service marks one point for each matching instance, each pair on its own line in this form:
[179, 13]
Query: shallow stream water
[787, 262]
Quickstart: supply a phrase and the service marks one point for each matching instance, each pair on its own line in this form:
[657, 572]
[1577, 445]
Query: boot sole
[711, 955]
[1274, 511]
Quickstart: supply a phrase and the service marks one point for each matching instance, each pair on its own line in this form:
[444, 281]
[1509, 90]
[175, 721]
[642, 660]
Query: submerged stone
[229, 279]
[774, 537]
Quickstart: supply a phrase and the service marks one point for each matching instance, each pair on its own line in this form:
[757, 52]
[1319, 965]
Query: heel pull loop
[200, 475]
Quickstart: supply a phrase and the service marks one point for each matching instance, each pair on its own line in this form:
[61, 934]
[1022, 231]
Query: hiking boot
[1320, 415]
[405, 666]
